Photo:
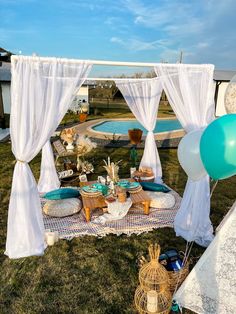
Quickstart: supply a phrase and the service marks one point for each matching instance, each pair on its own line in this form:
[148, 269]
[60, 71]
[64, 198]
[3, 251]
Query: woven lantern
[153, 294]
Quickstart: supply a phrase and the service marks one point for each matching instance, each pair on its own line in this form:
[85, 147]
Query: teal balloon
[218, 147]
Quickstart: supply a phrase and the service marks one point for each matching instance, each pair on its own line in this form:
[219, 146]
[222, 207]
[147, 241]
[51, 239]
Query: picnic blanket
[135, 222]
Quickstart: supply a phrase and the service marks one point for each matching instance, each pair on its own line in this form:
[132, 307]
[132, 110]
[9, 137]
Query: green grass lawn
[89, 274]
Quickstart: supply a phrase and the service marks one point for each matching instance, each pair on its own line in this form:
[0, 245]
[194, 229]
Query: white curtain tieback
[22, 161]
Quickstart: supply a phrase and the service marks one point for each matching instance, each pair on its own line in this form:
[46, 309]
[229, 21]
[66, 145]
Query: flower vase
[70, 146]
[112, 188]
[132, 170]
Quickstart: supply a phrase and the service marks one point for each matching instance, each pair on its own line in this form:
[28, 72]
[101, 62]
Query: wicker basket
[178, 276]
[147, 179]
[144, 176]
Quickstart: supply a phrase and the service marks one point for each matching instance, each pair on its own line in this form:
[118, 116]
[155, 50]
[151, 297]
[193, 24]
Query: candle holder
[51, 237]
[121, 194]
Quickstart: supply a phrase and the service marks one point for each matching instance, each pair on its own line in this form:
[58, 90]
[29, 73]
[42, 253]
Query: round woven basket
[143, 176]
[147, 179]
[177, 277]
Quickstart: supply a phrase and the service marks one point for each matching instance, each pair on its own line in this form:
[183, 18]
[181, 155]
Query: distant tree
[150, 74]
[138, 75]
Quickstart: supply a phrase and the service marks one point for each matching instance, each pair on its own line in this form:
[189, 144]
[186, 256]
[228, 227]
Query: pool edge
[158, 136]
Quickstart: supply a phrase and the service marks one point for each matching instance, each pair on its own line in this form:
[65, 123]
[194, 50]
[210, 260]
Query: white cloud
[203, 29]
[169, 55]
[159, 14]
[110, 20]
[93, 6]
[203, 45]
[117, 24]
[117, 40]
[134, 44]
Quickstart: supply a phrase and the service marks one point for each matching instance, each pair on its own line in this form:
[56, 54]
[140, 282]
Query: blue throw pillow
[155, 187]
[61, 194]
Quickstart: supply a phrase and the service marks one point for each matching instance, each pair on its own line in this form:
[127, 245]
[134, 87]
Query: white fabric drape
[41, 91]
[48, 179]
[143, 99]
[190, 91]
[61, 95]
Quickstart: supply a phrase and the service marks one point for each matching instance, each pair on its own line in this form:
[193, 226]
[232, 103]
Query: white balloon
[189, 155]
[230, 96]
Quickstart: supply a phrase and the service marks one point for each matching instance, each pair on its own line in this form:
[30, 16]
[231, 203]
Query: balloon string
[189, 246]
[213, 187]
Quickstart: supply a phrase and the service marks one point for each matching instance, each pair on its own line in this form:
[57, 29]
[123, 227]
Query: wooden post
[146, 207]
[87, 214]
[2, 116]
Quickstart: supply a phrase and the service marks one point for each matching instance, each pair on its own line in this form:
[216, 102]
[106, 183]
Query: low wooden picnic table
[92, 202]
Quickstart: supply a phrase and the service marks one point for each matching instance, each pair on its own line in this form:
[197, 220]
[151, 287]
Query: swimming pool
[122, 127]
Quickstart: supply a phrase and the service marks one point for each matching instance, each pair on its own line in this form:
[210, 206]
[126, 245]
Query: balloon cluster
[210, 151]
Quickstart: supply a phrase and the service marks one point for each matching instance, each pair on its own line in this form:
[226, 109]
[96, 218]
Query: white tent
[210, 288]
[42, 90]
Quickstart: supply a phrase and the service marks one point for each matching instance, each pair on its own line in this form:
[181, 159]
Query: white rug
[135, 222]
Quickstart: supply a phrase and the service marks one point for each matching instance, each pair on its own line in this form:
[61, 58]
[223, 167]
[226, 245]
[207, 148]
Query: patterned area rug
[135, 222]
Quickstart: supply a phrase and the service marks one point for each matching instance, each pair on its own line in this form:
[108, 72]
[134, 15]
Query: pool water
[122, 127]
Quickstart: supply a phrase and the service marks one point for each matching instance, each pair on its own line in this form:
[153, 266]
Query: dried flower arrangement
[84, 146]
[112, 169]
[86, 167]
[68, 136]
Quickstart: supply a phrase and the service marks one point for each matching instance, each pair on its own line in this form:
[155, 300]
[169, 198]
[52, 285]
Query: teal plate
[128, 185]
[100, 187]
[89, 189]
[124, 184]
[96, 187]
[133, 185]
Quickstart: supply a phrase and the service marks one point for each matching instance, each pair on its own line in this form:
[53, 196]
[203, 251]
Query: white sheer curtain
[190, 91]
[48, 179]
[61, 95]
[143, 97]
[41, 92]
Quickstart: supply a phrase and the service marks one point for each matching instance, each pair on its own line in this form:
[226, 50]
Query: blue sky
[122, 30]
